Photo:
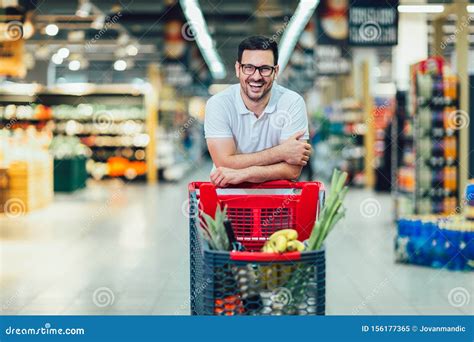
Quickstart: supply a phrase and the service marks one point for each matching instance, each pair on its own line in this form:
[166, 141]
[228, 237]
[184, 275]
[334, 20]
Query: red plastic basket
[258, 210]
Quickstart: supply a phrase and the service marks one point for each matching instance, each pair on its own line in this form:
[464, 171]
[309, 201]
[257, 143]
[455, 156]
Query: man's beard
[256, 97]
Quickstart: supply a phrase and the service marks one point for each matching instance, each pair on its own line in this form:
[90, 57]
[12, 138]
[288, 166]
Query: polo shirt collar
[271, 105]
[241, 109]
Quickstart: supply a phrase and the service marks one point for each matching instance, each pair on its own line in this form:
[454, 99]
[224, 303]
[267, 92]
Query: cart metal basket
[252, 282]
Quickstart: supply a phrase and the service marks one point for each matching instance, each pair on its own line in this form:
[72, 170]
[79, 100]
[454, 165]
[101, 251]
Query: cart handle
[260, 256]
[271, 184]
[277, 184]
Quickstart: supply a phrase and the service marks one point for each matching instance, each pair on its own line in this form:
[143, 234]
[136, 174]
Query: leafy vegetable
[213, 229]
[332, 211]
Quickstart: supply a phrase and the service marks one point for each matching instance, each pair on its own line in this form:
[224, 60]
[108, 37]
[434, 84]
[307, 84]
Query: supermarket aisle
[111, 249]
[119, 249]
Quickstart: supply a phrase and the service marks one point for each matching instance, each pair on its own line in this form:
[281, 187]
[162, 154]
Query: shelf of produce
[31, 121]
[115, 147]
[117, 97]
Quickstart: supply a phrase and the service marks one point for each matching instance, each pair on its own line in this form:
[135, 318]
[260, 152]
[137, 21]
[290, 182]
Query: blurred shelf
[438, 193]
[405, 192]
[62, 132]
[114, 147]
[436, 102]
[92, 121]
[31, 121]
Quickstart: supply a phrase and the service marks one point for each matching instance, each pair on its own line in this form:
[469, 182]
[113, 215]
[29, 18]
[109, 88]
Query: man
[256, 131]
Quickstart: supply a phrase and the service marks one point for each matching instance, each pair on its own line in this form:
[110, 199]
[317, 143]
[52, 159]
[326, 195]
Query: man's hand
[294, 151]
[223, 176]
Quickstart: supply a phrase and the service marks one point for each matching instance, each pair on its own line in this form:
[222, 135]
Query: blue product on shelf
[436, 242]
[428, 234]
[469, 210]
[439, 256]
[468, 250]
[470, 193]
[402, 239]
[404, 227]
[415, 243]
[456, 261]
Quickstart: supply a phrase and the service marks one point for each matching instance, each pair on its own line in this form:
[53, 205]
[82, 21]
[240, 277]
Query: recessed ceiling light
[57, 59]
[63, 52]
[132, 50]
[120, 65]
[74, 65]
[52, 30]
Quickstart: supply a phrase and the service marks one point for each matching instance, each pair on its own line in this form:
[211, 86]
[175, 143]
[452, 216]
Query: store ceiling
[229, 21]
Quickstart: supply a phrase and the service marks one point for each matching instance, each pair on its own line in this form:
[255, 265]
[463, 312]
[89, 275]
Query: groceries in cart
[283, 275]
[216, 229]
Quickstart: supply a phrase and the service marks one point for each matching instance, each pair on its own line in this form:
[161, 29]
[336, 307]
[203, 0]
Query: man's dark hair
[258, 43]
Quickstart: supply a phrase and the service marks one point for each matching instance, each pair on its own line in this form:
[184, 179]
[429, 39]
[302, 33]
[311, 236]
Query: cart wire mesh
[221, 285]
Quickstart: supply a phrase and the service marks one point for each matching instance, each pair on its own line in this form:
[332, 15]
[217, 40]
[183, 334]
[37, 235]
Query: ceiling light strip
[298, 21]
[198, 26]
[420, 8]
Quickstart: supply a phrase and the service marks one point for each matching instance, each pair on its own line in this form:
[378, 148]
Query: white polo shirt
[227, 117]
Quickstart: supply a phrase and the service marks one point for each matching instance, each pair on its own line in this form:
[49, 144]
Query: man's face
[256, 86]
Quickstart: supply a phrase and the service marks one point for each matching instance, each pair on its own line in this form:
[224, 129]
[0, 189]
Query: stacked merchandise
[428, 177]
[383, 113]
[115, 135]
[438, 241]
[27, 169]
[111, 124]
[69, 163]
[23, 114]
[346, 140]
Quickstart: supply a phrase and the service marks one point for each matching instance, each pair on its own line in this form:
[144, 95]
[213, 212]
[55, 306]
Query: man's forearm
[269, 156]
[259, 174]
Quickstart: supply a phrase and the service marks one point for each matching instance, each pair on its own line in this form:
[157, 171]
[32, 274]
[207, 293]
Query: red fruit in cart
[229, 307]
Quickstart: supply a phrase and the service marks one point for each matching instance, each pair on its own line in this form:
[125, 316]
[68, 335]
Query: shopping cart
[251, 282]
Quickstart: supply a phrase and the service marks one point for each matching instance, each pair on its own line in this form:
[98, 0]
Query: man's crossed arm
[283, 161]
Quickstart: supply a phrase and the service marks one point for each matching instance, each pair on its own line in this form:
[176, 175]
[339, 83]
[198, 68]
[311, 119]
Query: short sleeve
[216, 120]
[297, 120]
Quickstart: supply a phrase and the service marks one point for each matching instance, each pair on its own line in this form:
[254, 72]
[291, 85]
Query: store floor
[123, 249]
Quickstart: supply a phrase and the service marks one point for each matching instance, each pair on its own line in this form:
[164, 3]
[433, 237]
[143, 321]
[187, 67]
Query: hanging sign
[373, 23]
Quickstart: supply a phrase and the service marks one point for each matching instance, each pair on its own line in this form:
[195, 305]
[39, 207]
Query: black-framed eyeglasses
[264, 70]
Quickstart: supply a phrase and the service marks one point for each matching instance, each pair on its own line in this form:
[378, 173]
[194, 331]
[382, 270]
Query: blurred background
[101, 129]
